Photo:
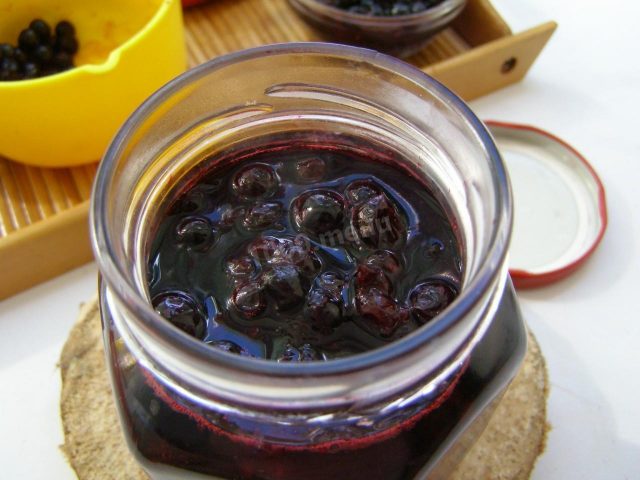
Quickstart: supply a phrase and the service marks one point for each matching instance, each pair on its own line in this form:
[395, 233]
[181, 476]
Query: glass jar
[407, 410]
[401, 35]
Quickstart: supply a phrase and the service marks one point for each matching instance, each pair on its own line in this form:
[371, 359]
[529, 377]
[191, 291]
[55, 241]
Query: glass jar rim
[117, 276]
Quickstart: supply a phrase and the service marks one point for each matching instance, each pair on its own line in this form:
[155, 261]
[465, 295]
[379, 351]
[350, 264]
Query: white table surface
[585, 88]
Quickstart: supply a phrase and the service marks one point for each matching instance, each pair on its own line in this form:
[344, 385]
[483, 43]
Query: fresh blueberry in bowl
[39, 51]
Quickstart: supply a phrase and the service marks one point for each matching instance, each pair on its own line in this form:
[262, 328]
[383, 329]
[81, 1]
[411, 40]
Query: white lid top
[559, 204]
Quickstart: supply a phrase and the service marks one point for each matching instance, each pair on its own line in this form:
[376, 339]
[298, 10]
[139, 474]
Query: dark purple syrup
[303, 254]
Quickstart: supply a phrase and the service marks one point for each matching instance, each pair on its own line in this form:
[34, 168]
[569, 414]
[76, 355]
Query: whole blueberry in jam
[300, 254]
[241, 267]
[381, 310]
[367, 277]
[255, 181]
[386, 261]
[262, 216]
[319, 212]
[430, 298]
[196, 232]
[378, 223]
[361, 190]
[265, 249]
[324, 309]
[181, 310]
[285, 286]
[249, 299]
[303, 254]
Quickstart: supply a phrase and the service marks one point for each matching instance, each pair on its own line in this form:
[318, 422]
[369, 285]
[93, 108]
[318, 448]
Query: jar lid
[560, 211]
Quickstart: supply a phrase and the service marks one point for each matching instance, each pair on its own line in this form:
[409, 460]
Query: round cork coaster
[96, 449]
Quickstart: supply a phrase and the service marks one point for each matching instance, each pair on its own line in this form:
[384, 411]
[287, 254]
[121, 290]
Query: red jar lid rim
[560, 212]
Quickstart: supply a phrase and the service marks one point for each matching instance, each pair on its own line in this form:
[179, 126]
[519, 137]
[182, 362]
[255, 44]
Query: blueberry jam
[386, 8]
[306, 252]
[303, 254]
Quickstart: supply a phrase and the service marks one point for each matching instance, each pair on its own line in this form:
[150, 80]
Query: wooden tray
[43, 212]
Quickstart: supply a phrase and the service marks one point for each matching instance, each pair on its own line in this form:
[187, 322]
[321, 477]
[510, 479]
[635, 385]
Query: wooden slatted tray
[43, 212]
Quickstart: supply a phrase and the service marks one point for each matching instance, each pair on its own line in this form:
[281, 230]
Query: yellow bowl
[128, 49]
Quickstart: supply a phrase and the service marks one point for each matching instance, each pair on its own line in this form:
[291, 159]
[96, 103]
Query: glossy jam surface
[302, 254]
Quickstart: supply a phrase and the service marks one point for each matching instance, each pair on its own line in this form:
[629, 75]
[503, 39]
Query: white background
[585, 88]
